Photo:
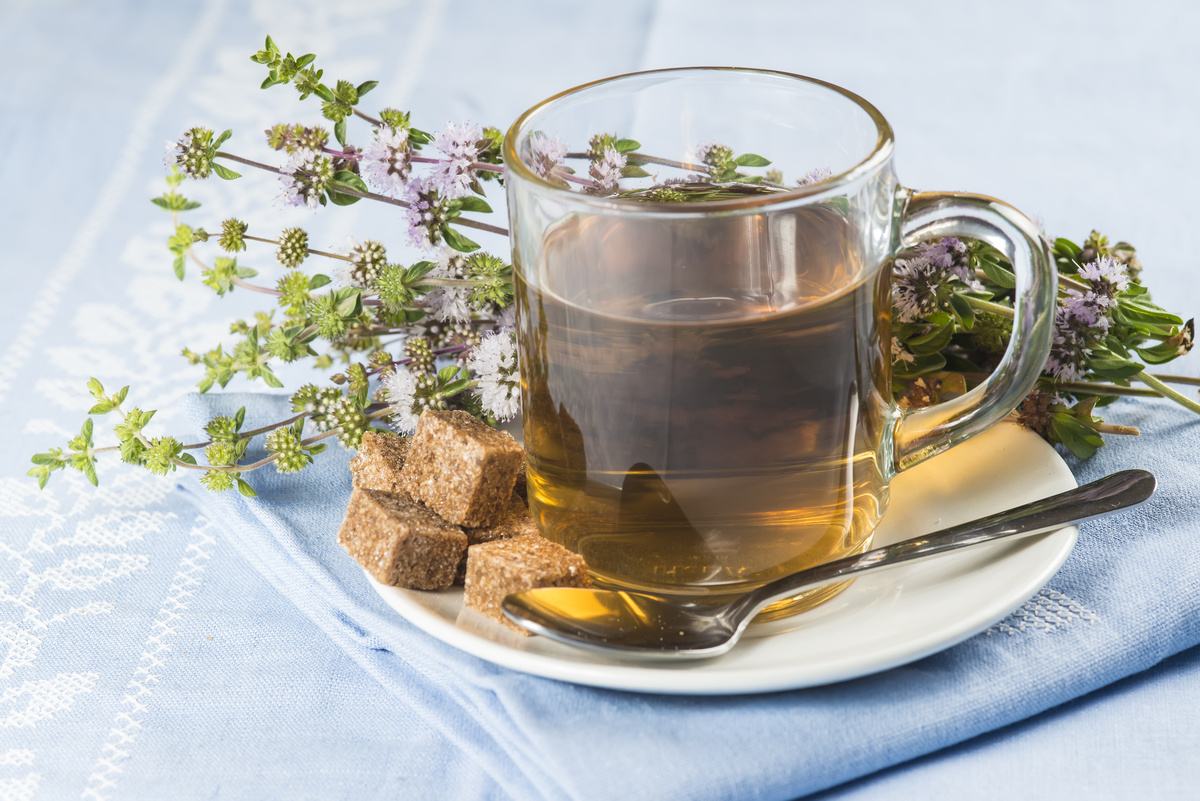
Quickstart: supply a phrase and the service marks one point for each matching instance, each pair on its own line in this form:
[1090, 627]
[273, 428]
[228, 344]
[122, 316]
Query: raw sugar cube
[400, 542]
[379, 459]
[499, 568]
[461, 468]
[516, 521]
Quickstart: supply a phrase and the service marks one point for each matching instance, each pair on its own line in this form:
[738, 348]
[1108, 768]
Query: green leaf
[41, 473]
[271, 379]
[245, 488]
[964, 310]
[239, 417]
[1113, 367]
[318, 448]
[339, 131]
[1159, 354]
[187, 457]
[221, 139]
[162, 203]
[103, 407]
[89, 470]
[305, 60]
[1079, 438]
[473, 203]
[633, 171]
[96, 388]
[751, 160]
[225, 172]
[44, 459]
[122, 393]
[920, 365]
[318, 281]
[179, 267]
[997, 274]
[626, 145]
[348, 180]
[365, 87]
[457, 241]
[447, 373]
[1066, 247]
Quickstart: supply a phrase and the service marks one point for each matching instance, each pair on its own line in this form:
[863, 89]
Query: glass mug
[706, 386]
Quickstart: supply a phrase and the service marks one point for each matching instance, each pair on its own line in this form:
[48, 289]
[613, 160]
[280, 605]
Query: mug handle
[924, 432]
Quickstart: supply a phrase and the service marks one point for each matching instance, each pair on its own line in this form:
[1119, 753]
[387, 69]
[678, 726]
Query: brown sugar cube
[461, 468]
[515, 522]
[400, 542]
[499, 568]
[379, 459]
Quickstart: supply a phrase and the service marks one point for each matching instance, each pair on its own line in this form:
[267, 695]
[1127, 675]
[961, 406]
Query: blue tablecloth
[142, 655]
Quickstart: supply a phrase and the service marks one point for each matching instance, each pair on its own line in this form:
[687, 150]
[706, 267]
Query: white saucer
[879, 622]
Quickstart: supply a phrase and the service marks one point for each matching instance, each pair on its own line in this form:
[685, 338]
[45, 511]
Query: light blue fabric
[1136, 579]
[110, 685]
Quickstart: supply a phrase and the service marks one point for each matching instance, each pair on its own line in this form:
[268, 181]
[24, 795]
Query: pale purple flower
[400, 391]
[816, 176]
[494, 365]
[176, 149]
[545, 153]
[386, 161]
[460, 145]
[1107, 277]
[606, 171]
[449, 303]
[950, 254]
[1080, 320]
[425, 213]
[304, 178]
[915, 288]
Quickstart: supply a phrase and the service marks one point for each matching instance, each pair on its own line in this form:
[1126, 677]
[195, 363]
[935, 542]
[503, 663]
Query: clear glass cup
[706, 386]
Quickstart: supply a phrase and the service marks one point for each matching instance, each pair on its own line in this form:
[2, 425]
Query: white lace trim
[1049, 610]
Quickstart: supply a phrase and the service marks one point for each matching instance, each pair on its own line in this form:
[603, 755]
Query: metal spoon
[642, 626]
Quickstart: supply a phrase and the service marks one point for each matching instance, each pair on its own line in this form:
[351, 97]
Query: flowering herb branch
[439, 333]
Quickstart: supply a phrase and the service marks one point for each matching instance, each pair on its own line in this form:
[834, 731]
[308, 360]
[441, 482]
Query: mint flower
[400, 390]
[460, 144]
[1080, 320]
[899, 353]
[449, 303]
[304, 178]
[1107, 277]
[386, 161]
[545, 153]
[494, 365]
[367, 260]
[606, 171]
[193, 153]
[426, 213]
[816, 176]
[293, 247]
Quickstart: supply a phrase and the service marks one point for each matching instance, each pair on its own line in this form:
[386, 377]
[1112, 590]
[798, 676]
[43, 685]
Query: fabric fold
[1127, 598]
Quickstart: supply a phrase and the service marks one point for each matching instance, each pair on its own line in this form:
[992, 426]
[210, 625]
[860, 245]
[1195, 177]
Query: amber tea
[705, 404]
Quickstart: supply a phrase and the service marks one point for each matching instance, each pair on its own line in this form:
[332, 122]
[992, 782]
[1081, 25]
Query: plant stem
[1108, 428]
[994, 308]
[367, 117]
[255, 287]
[1091, 388]
[307, 250]
[222, 154]
[1178, 379]
[1167, 392]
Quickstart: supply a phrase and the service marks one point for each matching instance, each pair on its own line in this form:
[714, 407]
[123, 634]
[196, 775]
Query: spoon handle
[1113, 492]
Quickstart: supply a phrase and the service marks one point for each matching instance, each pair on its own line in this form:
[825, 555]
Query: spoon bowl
[650, 627]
